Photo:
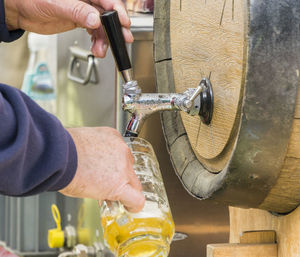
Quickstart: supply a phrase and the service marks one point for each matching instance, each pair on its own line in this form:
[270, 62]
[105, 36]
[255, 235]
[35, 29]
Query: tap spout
[193, 101]
[146, 104]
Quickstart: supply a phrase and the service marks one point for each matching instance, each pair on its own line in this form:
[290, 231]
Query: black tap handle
[110, 21]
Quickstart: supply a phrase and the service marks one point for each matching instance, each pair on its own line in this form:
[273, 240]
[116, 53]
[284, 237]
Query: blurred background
[24, 222]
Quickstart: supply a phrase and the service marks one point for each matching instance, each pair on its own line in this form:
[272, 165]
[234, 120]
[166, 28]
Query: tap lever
[194, 101]
[197, 92]
[188, 104]
[110, 21]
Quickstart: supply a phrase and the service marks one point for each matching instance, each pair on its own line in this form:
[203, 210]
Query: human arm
[105, 168]
[49, 17]
[37, 154]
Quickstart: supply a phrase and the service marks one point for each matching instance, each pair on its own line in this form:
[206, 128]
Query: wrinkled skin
[105, 164]
[105, 168]
[54, 16]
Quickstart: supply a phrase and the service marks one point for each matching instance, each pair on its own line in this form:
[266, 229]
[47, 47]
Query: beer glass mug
[149, 232]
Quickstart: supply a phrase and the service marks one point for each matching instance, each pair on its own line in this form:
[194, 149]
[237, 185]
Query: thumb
[132, 199]
[78, 12]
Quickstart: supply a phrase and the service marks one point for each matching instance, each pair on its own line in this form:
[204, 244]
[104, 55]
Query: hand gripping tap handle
[111, 23]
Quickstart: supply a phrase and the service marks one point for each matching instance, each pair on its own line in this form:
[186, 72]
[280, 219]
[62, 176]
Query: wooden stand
[242, 250]
[256, 233]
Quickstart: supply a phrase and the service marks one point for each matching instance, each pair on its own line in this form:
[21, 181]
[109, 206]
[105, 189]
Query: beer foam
[150, 210]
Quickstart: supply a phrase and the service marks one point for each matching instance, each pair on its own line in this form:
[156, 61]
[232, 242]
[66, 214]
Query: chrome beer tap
[194, 101]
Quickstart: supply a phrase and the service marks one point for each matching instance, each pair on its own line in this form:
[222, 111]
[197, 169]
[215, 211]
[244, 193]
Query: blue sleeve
[36, 153]
[5, 35]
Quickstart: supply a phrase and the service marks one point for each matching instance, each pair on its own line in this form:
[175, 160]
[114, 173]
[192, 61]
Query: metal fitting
[193, 101]
[131, 88]
[70, 236]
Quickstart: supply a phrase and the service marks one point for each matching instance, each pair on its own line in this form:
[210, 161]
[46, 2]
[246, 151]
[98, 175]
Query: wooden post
[287, 228]
[242, 250]
[257, 243]
[258, 237]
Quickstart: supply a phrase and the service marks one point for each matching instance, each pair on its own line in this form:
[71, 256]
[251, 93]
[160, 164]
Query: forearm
[36, 153]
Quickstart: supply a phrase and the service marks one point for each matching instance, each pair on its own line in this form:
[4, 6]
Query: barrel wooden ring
[249, 156]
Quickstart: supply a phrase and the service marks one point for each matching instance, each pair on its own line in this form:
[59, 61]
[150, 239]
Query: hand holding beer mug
[149, 232]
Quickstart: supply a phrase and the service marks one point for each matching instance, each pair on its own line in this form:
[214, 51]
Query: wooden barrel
[249, 156]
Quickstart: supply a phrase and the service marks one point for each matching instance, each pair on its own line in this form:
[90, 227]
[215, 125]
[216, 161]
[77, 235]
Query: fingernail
[92, 20]
[132, 38]
[104, 47]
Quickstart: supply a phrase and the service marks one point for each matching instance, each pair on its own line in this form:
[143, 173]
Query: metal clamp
[84, 55]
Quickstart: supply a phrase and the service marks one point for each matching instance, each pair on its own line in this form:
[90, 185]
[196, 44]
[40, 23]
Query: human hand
[105, 168]
[54, 16]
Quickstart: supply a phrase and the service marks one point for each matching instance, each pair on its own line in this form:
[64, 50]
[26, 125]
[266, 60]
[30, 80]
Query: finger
[78, 12]
[100, 45]
[118, 6]
[127, 35]
[123, 15]
[90, 31]
[134, 181]
[130, 157]
[45, 27]
[132, 199]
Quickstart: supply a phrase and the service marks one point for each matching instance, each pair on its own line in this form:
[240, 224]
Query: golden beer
[139, 237]
[149, 232]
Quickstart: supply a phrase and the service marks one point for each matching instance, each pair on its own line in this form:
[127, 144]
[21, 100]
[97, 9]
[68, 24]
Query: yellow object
[56, 237]
[83, 235]
[140, 237]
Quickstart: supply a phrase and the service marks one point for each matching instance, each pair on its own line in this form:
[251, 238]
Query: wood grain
[258, 237]
[297, 107]
[242, 250]
[206, 41]
[201, 44]
[285, 194]
[287, 228]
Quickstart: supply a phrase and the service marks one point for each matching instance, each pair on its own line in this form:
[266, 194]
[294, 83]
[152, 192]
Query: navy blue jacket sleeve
[36, 153]
[5, 35]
